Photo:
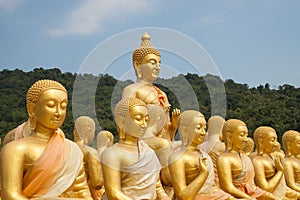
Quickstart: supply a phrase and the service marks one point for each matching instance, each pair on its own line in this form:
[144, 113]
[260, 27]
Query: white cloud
[10, 5]
[90, 17]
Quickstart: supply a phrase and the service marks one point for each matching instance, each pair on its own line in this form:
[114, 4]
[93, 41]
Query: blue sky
[250, 41]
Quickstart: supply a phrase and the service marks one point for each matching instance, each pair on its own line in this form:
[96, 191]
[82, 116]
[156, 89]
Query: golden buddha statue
[84, 132]
[105, 139]
[191, 168]
[267, 166]
[133, 173]
[214, 144]
[235, 169]
[44, 165]
[291, 162]
[146, 62]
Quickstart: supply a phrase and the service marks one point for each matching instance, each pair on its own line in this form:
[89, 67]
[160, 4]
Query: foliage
[95, 96]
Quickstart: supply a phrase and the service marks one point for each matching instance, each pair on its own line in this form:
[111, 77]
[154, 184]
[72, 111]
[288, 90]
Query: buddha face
[295, 146]
[196, 130]
[239, 137]
[150, 67]
[270, 143]
[136, 121]
[50, 109]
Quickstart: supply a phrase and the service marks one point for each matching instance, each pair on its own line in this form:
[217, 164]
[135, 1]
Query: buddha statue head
[192, 127]
[132, 118]
[291, 141]
[265, 139]
[158, 118]
[104, 139]
[215, 124]
[146, 60]
[249, 146]
[46, 102]
[235, 134]
[84, 130]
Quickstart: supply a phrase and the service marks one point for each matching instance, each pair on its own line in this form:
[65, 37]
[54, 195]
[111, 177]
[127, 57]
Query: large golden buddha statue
[84, 132]
[192, 169]
[235, 169]
[133, 173]
[291, 162]
[146, 62]
[44, 165]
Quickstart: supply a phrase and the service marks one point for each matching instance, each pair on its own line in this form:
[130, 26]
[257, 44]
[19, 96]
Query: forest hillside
[96, 95]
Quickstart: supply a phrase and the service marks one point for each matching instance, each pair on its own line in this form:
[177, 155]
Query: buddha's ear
[137, 69]
[288, 148]
[31, 109]
[183, 134]
[259, 146]
[228, 141]
[228, 136]
[260, 142]
[31, 113]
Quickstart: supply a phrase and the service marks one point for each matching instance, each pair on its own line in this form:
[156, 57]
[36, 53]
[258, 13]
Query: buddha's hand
[203, 164]
[175, 117]
[277, 162]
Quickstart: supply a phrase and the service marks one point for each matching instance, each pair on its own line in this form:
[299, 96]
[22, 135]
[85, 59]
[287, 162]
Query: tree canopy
[257, 106]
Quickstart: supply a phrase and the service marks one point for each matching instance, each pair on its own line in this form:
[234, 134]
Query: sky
[252, 42]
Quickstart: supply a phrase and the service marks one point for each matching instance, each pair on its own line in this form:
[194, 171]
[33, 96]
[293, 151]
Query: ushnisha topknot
[40, 86]
[144, 49]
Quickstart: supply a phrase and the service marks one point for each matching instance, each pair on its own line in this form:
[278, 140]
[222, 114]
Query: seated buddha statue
[214, 144]
[291, 161]
[84, 132]
[235, 169]
[44, 165]
[267, 166]
[130, 167]
[191, 168]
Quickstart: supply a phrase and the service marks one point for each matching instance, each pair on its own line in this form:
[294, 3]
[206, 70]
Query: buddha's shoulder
[227, 156]
[290, 161]
[130, 89]
[16, 146]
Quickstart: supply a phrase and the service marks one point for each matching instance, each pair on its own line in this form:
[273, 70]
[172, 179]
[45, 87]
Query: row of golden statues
[212, 160]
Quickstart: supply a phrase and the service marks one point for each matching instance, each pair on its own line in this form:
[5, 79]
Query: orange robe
[55, 170]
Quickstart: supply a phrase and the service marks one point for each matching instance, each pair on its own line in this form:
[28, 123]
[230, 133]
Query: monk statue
[214, 144]
[267, 164]
[130, 167]
[291, 162]
[191, 168]
[104, 140]
[84, 132]
[235, 169]
[146, 62]
[44, 165]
